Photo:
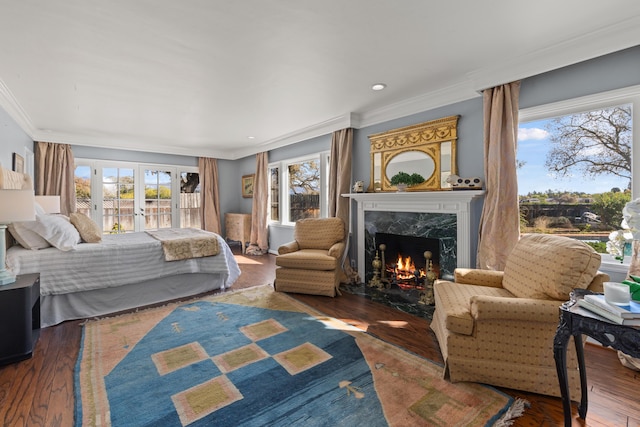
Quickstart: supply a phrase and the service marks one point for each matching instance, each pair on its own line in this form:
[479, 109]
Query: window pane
[574, 173]
[157, 198]
[274, 194]
[304, 190]
[190, 200]
[118, 191]
[82, 182]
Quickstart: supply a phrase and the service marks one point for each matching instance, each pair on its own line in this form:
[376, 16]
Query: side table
[19, 318]
[575, 321]
[238, 228]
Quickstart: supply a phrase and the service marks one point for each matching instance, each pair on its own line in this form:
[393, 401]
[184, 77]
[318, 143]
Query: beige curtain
[500, 221]
[259, 232]
[55, 172]
[210, 202]
[339, 183]
[340, 174]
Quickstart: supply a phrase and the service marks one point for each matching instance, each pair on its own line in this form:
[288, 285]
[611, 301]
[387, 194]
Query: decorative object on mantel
[402, 180]
[358, 187]
[458, 183]
[428, 149]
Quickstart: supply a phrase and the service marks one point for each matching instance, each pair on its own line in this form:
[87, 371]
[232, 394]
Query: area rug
[261, 358]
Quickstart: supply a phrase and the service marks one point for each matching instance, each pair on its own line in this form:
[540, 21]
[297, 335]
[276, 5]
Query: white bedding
[118, 260]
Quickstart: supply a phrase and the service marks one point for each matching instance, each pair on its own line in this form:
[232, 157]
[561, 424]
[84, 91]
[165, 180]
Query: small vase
[401, 187]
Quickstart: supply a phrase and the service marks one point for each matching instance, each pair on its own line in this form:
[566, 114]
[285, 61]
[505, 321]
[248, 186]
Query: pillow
[26, 237]
[89, 231]
[57, 230]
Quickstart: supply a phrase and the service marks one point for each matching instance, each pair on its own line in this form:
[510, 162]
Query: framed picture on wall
[18, 163]
[247, 185]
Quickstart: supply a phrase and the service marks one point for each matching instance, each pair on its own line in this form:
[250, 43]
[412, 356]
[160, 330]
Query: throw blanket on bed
[186, 243]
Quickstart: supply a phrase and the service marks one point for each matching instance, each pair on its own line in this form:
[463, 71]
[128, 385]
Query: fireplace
[403, 259]
[452, 217]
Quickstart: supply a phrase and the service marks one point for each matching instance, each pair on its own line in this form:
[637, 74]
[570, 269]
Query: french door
[127, 197]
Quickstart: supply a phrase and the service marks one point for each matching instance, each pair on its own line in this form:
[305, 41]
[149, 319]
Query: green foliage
[405, 178]
[600, 247]
[152, 193]
[609, 206]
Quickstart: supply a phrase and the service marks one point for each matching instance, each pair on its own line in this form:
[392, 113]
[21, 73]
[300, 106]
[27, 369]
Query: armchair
[312, 263]
[497, 327]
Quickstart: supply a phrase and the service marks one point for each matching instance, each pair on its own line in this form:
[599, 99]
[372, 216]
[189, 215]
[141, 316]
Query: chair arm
[288, 248]
[485, 307]
[596, 284]
[337, 249]
[472, 276]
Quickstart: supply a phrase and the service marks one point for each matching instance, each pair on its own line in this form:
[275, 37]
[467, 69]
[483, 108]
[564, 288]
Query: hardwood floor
[39, 391]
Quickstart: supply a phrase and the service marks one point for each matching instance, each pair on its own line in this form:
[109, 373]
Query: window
[190, 200]
[274, 193]
[299, 188]
[576, 165]
[126, 197]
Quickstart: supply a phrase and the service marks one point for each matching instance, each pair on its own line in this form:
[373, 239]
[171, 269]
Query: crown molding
[346, 120]
[15, 110]
[613, 38]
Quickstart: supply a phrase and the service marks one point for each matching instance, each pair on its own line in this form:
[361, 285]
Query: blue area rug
[258, 358]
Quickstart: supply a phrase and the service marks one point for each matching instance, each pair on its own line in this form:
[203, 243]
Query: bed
[121, 272]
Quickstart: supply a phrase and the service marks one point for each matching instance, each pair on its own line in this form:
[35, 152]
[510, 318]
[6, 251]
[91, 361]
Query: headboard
[10, 180]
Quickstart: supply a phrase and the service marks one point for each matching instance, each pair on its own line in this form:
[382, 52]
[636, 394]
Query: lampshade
[17, 205]
[50, 204]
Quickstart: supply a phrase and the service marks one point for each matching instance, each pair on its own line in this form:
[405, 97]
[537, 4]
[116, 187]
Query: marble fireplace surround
[465, 204]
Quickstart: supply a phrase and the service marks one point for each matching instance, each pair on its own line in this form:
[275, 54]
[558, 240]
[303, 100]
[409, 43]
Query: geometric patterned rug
[258, 357]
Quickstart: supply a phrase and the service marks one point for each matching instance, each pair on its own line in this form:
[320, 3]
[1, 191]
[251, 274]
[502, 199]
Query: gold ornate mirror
[427, 149]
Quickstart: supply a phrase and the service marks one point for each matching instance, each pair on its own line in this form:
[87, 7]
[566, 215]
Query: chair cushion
[454, 301]
[545, 266]
[308, 259]
[318, 233]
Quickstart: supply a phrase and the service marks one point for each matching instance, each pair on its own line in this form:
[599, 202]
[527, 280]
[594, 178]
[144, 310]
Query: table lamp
[50, 204]
[15, 205]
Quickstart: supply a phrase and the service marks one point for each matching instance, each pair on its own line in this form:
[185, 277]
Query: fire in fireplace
[404, 263]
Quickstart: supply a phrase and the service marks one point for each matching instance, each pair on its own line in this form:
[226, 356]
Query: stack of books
[621, 314]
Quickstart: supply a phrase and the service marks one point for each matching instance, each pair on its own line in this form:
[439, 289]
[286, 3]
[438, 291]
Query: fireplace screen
[404, 263]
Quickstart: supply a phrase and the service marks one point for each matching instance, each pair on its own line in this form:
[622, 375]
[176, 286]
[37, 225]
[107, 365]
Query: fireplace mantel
[466, 204]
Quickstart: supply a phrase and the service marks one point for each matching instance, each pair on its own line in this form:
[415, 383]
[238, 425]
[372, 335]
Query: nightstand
[19, 318]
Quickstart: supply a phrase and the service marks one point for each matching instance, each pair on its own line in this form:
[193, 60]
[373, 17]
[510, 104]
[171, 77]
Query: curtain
[55, 172]
[340, 183]
[259, 244]
[500, 221]
[340, 174]
[210, 202]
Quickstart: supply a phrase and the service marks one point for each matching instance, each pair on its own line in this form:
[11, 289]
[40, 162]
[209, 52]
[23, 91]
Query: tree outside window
[574, 173]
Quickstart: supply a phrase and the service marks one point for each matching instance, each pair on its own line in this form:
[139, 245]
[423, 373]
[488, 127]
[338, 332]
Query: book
[597, 310]
[631, 311]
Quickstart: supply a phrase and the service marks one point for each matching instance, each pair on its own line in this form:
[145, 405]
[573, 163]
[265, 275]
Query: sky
[533, 146]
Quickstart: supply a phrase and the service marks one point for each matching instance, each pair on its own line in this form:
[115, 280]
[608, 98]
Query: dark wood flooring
[39, 391]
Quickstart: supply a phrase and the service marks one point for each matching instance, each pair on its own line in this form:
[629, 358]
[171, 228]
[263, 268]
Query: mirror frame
[425, 137]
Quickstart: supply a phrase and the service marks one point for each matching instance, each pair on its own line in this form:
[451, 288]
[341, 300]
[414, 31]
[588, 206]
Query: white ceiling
[200, 77]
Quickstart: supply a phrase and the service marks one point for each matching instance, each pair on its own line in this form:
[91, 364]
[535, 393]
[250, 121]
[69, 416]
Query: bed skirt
[55, 309]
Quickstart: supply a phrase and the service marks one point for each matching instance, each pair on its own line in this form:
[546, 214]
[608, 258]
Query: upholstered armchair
[312, 263]
[497, 327]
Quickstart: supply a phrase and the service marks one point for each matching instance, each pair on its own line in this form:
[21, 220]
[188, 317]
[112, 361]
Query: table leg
[582, 409]
[560, 342]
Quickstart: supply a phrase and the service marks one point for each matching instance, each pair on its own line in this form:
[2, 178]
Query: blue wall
[12, 140]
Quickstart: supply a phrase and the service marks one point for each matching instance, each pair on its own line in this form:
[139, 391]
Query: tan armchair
[311, 264]
[497, 327]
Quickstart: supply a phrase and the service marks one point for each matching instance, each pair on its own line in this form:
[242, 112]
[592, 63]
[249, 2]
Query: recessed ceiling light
[251, 137]
[378, 86]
